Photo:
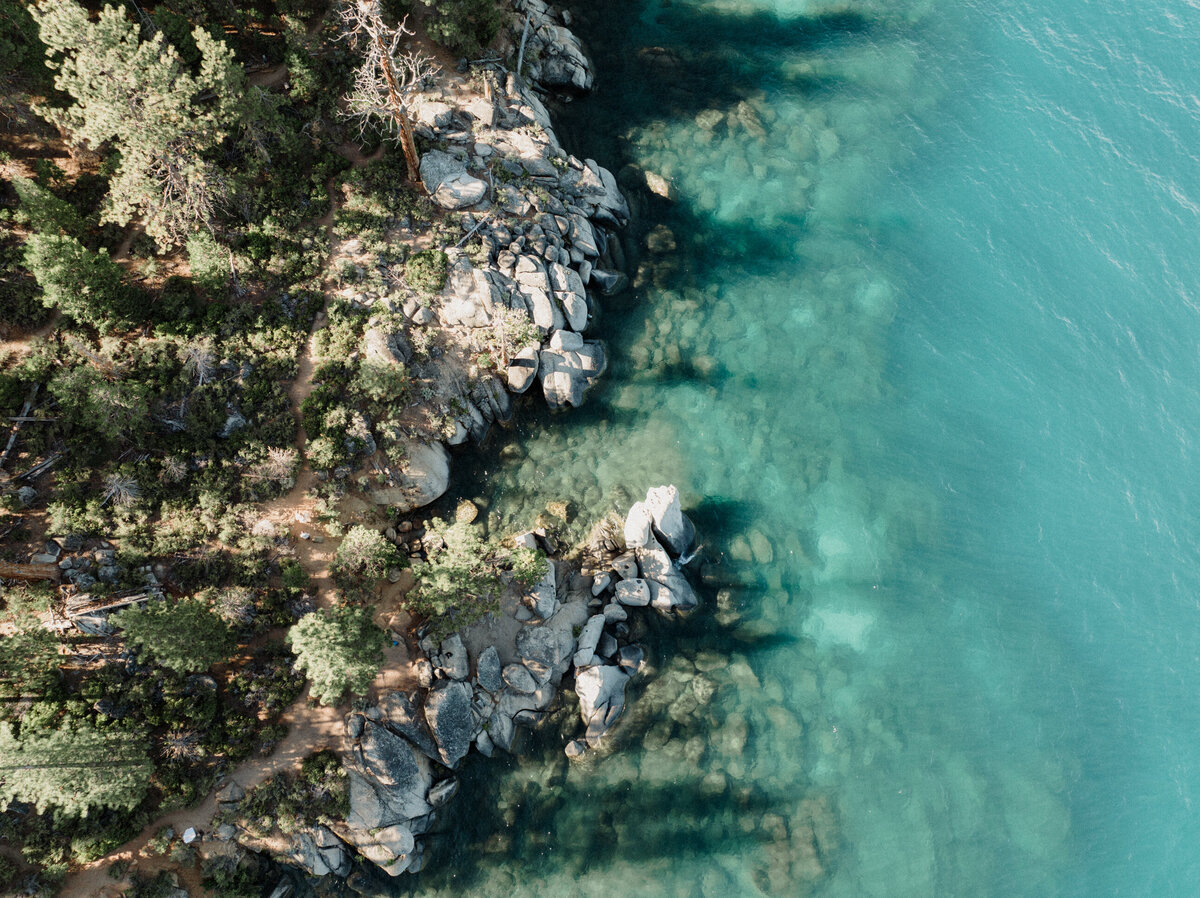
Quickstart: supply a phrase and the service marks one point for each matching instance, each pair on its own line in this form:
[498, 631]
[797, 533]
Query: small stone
[519, 679]
[613, 612]
[466, 512]
[575, 749]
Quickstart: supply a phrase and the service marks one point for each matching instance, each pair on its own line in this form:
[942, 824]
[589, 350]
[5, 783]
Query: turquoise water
[924, 361]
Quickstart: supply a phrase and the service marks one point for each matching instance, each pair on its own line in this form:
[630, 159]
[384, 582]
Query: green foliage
[87, 286]
[21, 50]
[47, 213]
[77, 769]
[318, 794]
[270, 682]
[184, 636]
[459, 582]
[140, 97]
[339, 649]
[115, 410]
[528, 566]
[381, 381]
[209, 261]
[227, 877]
[29, 659]
[364, 554]
[464, 27]
[426, 271]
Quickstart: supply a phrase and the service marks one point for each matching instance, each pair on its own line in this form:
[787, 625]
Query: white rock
[663, 504]
[633, 592]
[589, 638]
[637, 526]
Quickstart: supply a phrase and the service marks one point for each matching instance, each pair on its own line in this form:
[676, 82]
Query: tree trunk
[407, 141]
[10, 571]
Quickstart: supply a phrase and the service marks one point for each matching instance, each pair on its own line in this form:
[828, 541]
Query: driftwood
[40, 468]
[48, 571]
[20, 419]
[86, 604]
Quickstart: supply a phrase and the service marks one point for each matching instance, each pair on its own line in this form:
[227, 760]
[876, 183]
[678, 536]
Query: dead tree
[33, 571]
[386, 77]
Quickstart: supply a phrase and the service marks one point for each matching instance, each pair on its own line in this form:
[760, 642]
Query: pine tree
[84, 285]
[339, 649]
[47, 213]
[115, 410]
[137, 96]
[77, 769]
[186, 636]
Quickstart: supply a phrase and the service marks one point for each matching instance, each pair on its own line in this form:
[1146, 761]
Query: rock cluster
[478, 692]
[540, 247]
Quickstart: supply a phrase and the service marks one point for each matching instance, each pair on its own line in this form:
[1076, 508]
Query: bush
[426, 271]
[364, 554]
[339, 648]
[463, 27]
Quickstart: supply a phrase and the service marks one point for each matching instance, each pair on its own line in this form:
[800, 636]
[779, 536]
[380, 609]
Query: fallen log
[37, 571]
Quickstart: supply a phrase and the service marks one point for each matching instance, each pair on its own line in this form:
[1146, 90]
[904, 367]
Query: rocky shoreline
[549, 246]
[565, 636]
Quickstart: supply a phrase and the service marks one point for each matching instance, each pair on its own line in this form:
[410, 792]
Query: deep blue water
[931, 333]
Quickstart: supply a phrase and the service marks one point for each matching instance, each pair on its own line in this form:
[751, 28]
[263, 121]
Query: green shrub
[426, 271]
[464, 27]
[364, 554]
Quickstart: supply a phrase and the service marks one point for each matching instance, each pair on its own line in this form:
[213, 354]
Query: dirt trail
[311, 727]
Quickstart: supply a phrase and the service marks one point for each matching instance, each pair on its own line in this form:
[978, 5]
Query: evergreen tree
[339, 648]
[186, 636]
[29, 658]
[364, 554]
[47, 213]
[81, 284]
[77, 769]
[115, 410]
[139, 97]
[460, 581]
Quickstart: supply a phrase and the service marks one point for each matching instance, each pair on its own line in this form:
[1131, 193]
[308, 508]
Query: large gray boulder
[672, 594]
[448, 713]
[320, 852]
[400, 716]
[445, 177]
[638, 524]
[633, 592]
[568, 367]
[601, 692]
[544, 651]
[452, 660]
[488, 672]
[390, 848]
[671, 525]
[589, 638]
[394, 772]
[569, 290]
[386, 347]
[544, 595]
[522, 369]
[469, 298]
[424, 476]
[518, 678]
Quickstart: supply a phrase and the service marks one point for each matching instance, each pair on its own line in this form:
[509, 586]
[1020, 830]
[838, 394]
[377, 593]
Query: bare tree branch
[386, 77]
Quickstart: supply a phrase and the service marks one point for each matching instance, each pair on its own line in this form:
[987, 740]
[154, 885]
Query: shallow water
[924, 363]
